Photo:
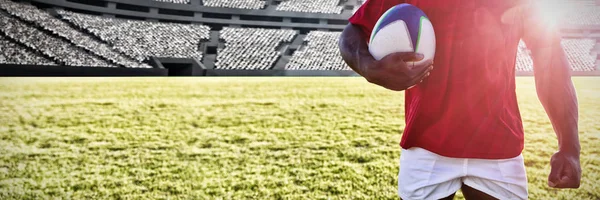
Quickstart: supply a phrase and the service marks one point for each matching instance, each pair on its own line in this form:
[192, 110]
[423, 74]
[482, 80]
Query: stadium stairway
[210, 53]
[286, 54]
[283, 49]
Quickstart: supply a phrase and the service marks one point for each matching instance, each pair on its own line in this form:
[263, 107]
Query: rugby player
[463, 125]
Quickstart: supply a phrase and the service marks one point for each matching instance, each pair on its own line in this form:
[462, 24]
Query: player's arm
[391, 72]
[354, 49]
[557, 94]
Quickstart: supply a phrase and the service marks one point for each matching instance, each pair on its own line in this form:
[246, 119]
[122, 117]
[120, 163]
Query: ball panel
[392, 38]
[380, 23]
[403, 28]
[426, 42]
[410, 14]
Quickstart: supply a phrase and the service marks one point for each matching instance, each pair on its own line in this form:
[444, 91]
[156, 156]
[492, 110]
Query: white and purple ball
[403, 28]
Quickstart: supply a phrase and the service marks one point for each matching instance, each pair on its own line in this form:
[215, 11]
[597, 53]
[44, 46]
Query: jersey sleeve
[367, 15]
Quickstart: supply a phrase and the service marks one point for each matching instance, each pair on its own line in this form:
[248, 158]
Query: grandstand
[239, 4]
[251, 48]
[319, 53]
[175, 1]
[312, 6]
[13, 53]
[251, 35]
[524, 62]
[142, 40]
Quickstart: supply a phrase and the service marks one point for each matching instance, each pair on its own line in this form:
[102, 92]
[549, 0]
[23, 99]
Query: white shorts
[426, 175]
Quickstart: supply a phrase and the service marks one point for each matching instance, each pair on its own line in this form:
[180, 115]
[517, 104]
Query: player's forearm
[354, 49]
[563, 113]
[557, 94]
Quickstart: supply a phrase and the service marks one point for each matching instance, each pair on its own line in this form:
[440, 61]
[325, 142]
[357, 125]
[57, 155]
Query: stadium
[214, 37]
[307, 128]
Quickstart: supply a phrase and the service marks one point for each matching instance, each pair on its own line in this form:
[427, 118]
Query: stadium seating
[577, 51]
[241, 4]
[311, 6]
[251, 48]
[175, 1]
[524, 62]
[91, 40]
[583, 15]
[49, 45]
[578, 54]
[46, 21]
[142, 39]
[12, 53]
[583, 2]
[320, 53]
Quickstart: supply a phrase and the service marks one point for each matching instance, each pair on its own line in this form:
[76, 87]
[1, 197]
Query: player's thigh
[473, 194]
[424, 175]
[451, 197]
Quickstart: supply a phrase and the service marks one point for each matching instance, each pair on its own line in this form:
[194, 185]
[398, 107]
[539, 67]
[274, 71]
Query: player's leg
[424, 175]
[500, 179]
[451, 197]
[472, 194]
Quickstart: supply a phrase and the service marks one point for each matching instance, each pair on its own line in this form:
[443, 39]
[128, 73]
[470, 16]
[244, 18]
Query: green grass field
[235, 138]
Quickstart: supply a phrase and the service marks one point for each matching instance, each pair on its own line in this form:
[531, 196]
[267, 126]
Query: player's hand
[394, 73]
[565, 170]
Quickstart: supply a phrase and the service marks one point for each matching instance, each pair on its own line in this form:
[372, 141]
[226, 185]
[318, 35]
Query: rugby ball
[403, 28]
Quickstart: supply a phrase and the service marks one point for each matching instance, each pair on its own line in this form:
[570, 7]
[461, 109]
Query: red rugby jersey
[467, 107]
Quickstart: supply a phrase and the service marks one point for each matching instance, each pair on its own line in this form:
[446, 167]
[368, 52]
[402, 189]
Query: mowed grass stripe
[235, 138]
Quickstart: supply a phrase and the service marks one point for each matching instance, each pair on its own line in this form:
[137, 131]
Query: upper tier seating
[583, 15]
[311, 6]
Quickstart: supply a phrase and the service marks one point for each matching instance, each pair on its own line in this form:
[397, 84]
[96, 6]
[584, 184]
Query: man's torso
[467, 107]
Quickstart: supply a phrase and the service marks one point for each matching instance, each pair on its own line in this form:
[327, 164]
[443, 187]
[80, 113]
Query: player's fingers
[570, 177]
[567, 182]
[556, 169]
[416, 70]
[418, 79]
